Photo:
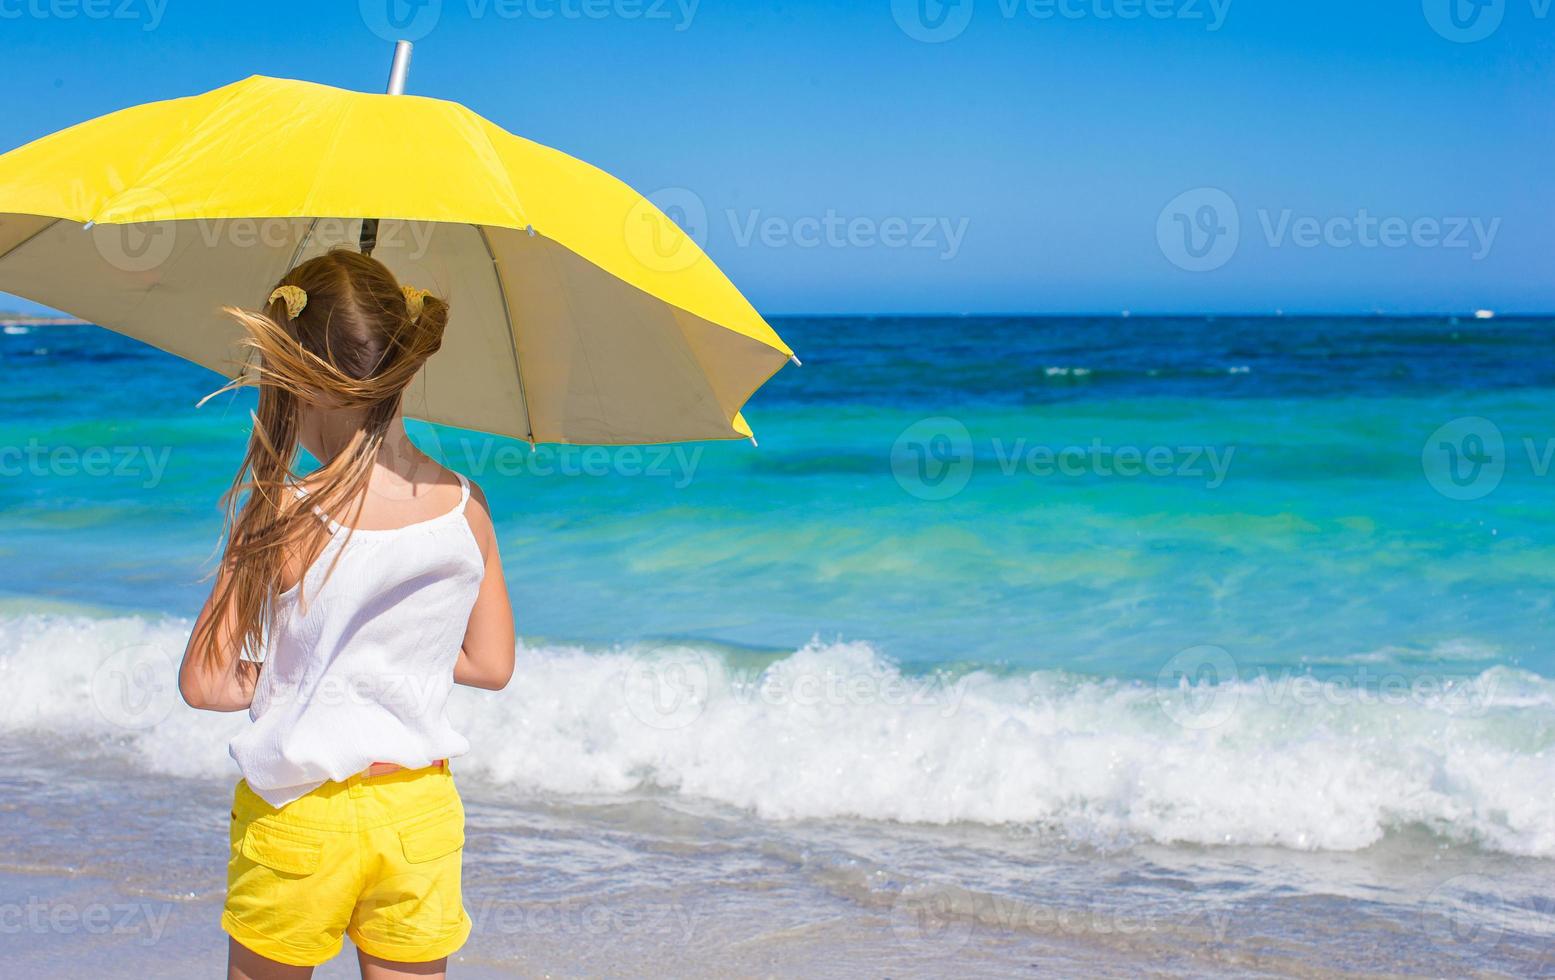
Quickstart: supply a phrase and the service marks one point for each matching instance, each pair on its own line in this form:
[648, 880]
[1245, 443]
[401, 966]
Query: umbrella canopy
[579, 312]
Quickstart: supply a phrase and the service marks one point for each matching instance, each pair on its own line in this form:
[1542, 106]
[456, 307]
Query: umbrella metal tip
[796, 360]
[399, 68]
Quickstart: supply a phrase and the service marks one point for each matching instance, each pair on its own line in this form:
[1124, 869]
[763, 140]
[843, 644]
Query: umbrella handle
[399, 68]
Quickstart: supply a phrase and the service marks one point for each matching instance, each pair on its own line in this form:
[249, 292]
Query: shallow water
[648, 883]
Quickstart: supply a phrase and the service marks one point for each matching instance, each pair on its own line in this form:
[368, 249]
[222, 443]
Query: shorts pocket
[282, 849]
[433, 837]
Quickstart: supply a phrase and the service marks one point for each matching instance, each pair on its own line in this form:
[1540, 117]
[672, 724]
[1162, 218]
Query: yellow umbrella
[580, 313]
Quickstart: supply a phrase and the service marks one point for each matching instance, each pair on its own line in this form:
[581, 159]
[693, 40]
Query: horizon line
[1156, 314]
[15, 316]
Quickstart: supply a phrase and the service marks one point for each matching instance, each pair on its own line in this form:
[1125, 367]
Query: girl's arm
[219, 687]
[486, 660]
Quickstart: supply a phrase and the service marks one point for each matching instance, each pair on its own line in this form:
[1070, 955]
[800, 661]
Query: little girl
[346, 606]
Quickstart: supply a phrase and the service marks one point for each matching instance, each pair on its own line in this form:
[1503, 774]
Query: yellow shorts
[376, 858]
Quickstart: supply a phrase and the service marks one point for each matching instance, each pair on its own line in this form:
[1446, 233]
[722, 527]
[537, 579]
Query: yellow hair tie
[415, 299]
[295, 299]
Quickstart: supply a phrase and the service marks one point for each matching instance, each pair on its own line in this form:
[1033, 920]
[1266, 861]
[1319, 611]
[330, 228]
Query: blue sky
[970, 156]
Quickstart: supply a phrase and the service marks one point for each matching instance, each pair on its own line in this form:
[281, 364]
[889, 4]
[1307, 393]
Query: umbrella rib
[512, 190]
[30, 237]
[691, 353]
[302, 243]
[507, 317]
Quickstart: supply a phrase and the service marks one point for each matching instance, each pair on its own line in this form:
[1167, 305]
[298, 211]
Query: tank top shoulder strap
[302, 494]
[464, 491]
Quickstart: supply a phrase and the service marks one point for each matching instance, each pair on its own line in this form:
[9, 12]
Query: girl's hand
[486, 659]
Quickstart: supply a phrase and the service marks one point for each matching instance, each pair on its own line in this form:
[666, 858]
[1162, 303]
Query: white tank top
[360, 660]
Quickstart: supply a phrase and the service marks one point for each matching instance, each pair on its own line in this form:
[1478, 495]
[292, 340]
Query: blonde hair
[356, 342]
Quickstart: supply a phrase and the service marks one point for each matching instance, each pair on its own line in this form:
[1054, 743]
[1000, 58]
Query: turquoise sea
[1296, 511]
[1149, 617]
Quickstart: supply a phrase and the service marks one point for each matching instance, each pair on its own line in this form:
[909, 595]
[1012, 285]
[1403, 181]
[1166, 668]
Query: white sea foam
[835, 730]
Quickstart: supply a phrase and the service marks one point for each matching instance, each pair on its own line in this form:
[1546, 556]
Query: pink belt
[384, 768]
